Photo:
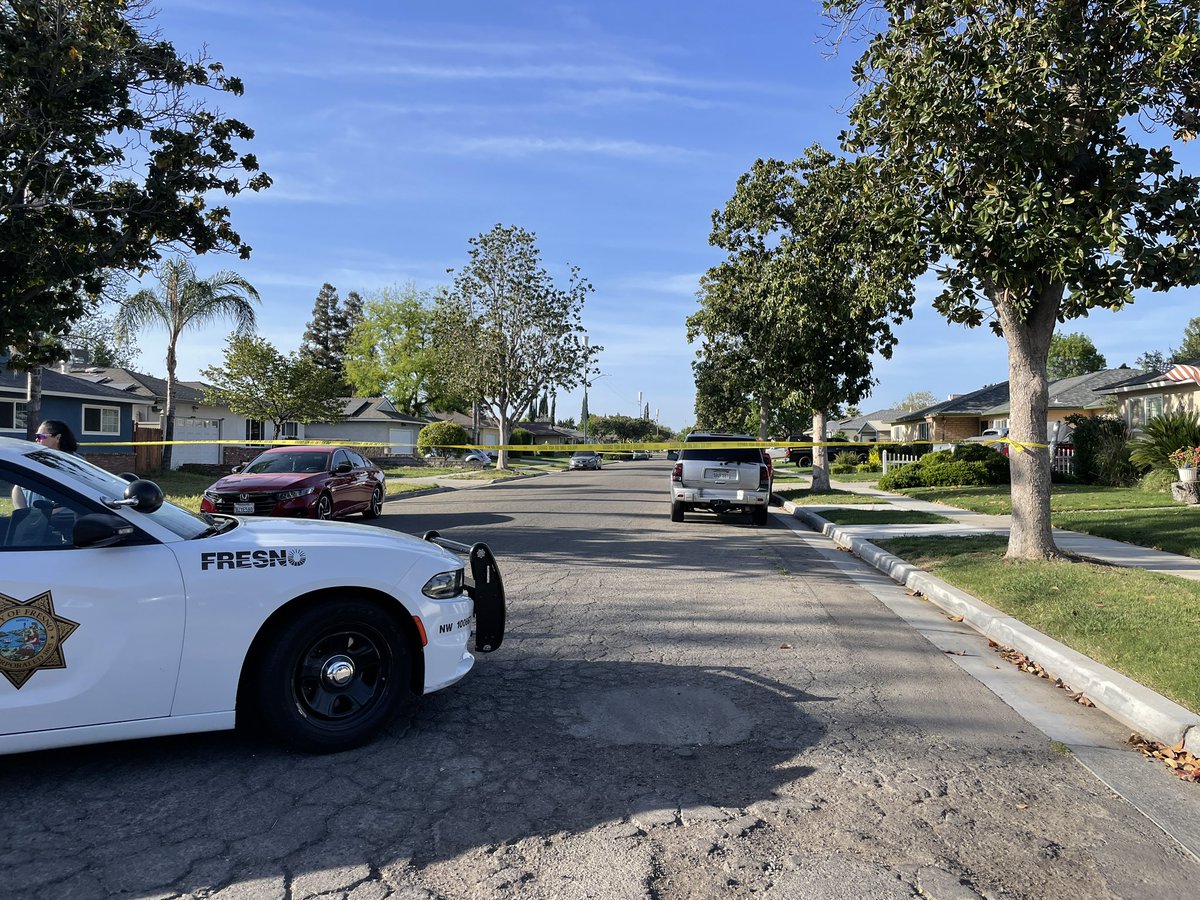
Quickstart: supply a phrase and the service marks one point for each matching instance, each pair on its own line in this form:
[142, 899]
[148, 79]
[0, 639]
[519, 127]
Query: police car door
[87, 635]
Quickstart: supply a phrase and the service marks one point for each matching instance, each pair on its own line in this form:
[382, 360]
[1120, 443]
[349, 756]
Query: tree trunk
[762, 419]
[33, 401]
[504, 422]
[168, 413]
[820, 476]
[1028, 346]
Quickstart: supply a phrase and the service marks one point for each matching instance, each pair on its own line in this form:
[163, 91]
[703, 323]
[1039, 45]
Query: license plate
[243, 509]
[720, 474]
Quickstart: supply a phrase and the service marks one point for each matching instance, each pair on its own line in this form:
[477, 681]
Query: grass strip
[1140, 623]
[805, 497]
[884, 517]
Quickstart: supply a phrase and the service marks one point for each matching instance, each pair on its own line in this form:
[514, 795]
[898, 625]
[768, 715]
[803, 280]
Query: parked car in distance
[640, 454]
[721, 479]
[584, 459]
[300, 482]
[477, 456]
[776, 453]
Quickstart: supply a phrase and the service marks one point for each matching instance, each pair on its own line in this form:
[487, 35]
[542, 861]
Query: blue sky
[395, 131]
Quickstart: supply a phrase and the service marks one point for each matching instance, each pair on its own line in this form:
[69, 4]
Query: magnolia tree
[505, 331]
[1011, 129]
[813, 283]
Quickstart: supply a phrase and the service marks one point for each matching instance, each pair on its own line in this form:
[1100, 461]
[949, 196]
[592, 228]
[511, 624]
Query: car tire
[758, 516]
[375, 509]
[324, 508]
[297, 695]
[676, 511]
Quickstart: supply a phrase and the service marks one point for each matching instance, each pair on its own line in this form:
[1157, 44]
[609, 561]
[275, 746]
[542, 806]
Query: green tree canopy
[259, 382]
[1073, 354]
[1189, 350]
[917, 400]
[391, 353]
[810, 290]
[1011, 128]
[327, 337]
[109, 153]
[505, 330]
[438, 436]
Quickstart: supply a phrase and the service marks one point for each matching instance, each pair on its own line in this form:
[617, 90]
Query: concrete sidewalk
[1142, 709]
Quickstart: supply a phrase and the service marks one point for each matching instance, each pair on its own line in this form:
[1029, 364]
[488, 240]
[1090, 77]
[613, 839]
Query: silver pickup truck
[721, 479]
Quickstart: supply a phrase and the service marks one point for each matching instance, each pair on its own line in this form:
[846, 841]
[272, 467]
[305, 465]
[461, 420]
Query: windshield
[730, 454]
[298, 461]
[178, 521]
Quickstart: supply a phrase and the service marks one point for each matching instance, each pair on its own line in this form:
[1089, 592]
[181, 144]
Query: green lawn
[805, 497]
[1139, 623]
[1175, 530]
[883, 517]
[1063, 497]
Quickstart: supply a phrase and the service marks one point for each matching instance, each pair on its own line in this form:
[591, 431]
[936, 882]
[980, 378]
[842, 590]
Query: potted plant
[1186, 460]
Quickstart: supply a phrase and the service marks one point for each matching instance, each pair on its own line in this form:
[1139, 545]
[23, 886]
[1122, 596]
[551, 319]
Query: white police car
[122, 616]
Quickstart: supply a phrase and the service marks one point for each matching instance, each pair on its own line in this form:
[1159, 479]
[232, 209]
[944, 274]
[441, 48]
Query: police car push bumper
[485, 587]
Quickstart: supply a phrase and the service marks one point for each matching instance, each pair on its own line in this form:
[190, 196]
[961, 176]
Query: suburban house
[544, 433]
[103, 418]
[1151, 394]
[212, 427]
[372, 420]
[868, 428]
[489, 431]
[969, 415]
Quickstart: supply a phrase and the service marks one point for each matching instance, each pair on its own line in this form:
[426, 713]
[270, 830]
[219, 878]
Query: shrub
[521, 436]
[845, 458]
[937, 456]
[1162, 435]
[1157, 480]
[954, 474]
[1099, 447]
[874, 460]
[976, 452]
[437, 436]
[842, 469]
[867, 467]
[907, 476]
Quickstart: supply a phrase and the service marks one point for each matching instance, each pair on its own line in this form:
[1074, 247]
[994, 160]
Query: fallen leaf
[956, 618]
[956, 652]
[785, 646]
[1022, 806]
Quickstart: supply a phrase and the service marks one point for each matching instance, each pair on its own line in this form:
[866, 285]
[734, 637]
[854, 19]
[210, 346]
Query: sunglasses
[43, 437]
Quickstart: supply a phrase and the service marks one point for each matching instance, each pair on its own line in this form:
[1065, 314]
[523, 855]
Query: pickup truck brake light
[677, 472]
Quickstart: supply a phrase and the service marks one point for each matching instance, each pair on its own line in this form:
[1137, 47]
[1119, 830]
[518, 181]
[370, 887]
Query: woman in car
[56, 435]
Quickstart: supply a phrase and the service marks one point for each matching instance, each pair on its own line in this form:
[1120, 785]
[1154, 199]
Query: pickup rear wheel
[676, 511]
[332, 676]
[758, 515]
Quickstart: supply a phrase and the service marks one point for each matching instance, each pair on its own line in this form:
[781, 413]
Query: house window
[254, 430]
[1137, 412]
[12, 415]
[101, 420]
[923, 431]
[1154, 407]
[289, 430]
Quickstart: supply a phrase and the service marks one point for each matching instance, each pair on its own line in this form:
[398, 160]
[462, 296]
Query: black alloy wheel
[375, 509]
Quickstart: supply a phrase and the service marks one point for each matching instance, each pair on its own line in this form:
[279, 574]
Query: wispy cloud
[521, 146]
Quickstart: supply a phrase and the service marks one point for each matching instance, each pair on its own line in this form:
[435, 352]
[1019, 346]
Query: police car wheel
[333, 676]
[375, 510]
[324, 507]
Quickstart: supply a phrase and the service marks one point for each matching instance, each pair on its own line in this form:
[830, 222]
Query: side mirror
[144, 496]
[100, 530]
[237, 468]
[342, 468]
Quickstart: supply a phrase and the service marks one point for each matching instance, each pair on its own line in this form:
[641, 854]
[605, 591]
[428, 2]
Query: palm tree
[181, 301]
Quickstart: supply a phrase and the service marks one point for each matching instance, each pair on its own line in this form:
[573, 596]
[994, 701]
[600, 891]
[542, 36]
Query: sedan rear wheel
[375, 510]
[325, 507]
[333, 676]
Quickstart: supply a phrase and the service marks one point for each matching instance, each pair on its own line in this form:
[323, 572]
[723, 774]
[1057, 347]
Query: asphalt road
[698, 710]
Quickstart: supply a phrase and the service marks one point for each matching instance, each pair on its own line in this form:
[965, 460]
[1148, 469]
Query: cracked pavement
[691, 710]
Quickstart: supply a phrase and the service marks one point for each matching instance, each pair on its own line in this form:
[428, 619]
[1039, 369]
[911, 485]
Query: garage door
[192, 429]
[402, 440]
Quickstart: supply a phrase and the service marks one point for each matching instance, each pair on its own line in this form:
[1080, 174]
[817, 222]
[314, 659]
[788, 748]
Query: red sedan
[300, 482]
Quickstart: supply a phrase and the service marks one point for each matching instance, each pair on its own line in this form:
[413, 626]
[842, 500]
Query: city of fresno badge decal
[31, 637]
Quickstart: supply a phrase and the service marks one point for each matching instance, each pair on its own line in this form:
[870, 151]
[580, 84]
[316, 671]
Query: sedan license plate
[720, 474]
[243, 509]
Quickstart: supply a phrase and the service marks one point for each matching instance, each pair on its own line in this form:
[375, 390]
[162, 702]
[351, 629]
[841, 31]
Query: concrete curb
[1150, 714]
